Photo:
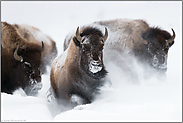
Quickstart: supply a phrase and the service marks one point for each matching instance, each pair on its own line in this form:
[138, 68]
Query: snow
[94, 68]
[150, 99]
[29, 108]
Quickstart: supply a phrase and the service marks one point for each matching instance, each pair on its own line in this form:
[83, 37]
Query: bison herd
[80, 70]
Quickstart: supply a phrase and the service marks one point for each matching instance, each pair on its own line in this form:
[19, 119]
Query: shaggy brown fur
[16, 74]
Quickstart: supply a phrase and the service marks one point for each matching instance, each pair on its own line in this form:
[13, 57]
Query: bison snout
[95, 66]
[160, 62]
[96, 63]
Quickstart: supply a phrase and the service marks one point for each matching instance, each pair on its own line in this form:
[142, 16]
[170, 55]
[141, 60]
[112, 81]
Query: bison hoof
[33, 89]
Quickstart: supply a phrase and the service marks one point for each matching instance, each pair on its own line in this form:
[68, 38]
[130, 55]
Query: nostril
[37, 78]
[95, 63]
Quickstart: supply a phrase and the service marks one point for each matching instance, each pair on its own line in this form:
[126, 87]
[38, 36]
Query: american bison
[20, 62]
[130, 37]
[33, 34]
[80, 70]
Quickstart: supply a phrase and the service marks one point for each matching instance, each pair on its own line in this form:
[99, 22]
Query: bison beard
[88, 86]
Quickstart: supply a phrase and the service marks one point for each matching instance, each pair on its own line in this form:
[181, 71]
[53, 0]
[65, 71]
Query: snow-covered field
[149, 100]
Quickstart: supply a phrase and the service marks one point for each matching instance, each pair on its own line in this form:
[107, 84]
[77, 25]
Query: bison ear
[77, 38]
[77, 43]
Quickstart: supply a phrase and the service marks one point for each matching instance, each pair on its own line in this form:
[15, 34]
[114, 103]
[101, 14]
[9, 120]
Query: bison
[33, 34]
[20, 62]
[80, 70]
[128, 37]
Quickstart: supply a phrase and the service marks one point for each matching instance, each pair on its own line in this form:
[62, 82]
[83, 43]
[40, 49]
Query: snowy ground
[150, 100]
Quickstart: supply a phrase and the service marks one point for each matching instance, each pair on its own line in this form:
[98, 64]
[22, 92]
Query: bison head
[28, 61]
[91, 42]
[158, 44]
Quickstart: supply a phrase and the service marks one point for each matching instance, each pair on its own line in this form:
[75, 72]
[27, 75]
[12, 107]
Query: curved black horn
[16, 56]
[172, 38]
[42, 45]
[105, 35]
[78, 35]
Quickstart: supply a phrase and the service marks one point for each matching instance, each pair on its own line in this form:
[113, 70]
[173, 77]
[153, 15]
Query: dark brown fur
[16, 74]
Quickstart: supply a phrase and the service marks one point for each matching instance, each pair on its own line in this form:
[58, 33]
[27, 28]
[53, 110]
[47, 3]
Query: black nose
[36, 78]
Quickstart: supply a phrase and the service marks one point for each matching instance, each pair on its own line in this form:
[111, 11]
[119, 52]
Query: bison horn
[78, 35]
[16, 56]
[42, 45]
[172, 38]
[106, 34]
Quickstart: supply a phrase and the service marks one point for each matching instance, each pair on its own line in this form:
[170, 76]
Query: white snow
[94, 68]
[150, 99]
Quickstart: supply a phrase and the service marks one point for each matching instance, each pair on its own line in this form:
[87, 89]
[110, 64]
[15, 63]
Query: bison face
[91, 52]
[28, 61]
[159, 43]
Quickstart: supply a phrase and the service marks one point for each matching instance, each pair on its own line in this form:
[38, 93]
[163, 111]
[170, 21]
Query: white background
[150, 100]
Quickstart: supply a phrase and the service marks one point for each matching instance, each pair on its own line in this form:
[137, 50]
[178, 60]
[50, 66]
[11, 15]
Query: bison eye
[83, 49]
[27, 65]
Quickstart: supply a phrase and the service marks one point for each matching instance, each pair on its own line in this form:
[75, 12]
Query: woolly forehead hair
[91, 31]
[157, 31]
[31, 52]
